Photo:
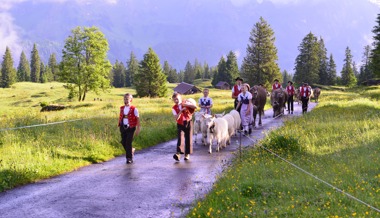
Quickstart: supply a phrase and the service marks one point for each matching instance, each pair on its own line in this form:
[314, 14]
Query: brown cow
[317, 92]
[278, 101]
[259, 99]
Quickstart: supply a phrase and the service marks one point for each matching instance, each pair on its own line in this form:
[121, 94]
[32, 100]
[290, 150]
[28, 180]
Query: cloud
[376, 2]
[9, 35]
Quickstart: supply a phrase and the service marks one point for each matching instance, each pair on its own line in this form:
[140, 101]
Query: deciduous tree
[84, 65]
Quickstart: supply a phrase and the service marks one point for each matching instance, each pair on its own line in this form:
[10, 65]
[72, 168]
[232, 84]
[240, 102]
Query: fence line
[46, 124]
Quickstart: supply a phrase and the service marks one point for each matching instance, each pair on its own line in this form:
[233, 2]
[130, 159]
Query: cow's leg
[260, 124]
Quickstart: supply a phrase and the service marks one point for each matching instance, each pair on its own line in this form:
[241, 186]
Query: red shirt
[276, 86]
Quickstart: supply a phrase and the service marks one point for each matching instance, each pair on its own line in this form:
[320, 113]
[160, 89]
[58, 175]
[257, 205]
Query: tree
[285, 78]
[54, 67]
[221, 74]
[171, 74]
[8, 72]
[260, 64]
[84, 65]
[375, 53]
[189, 74]
[206, 70]
[43, 77]
[307, 62]
[132, 69]
[331, 71]
[232, 68]
[365, 69]
[23, 69]
[323, 78]
[198, 70]
[347, 73]
[119, 74]
[35, 65]
[150, 80]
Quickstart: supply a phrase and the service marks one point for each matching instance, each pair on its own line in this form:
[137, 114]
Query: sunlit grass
[338, 142]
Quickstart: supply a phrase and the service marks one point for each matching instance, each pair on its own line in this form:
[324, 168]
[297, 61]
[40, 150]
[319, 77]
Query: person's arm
[211, 103]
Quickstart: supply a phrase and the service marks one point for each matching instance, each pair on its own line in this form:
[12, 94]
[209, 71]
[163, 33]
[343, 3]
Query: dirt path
[154, 186]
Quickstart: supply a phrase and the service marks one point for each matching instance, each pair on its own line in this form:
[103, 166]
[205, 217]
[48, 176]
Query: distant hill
[184, 30]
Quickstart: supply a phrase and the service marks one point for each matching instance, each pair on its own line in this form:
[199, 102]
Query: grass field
[338, 142]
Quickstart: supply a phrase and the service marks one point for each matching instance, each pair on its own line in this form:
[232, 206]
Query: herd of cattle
[220, 127]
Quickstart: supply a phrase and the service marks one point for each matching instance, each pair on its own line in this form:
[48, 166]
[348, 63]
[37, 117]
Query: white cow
[217, 128]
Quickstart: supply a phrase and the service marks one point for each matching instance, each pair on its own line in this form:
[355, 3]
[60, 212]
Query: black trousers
[187, 131]
[290, 103]
[126, 139]
[305, 102]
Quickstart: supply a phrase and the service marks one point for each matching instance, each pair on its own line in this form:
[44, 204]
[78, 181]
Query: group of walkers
[183, 109]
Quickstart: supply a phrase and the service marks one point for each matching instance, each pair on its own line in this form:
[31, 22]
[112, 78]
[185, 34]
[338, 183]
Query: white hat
[190, 103]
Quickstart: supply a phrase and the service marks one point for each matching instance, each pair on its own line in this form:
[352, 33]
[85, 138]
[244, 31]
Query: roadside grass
[30, 154]
[337, 142]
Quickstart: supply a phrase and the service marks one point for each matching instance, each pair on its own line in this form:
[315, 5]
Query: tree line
[84, 66]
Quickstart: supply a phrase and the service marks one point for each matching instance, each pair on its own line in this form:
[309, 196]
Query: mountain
[185, 30]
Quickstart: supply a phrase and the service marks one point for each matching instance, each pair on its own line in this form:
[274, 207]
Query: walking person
[205, 102]
[129, 125]
[290, 90]
[276, 85]
[305, 94]
[236, 90]
[183, 111]
[246, 108]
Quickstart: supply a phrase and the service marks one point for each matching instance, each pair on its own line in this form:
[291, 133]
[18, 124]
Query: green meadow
[88, 133]
[338, 143]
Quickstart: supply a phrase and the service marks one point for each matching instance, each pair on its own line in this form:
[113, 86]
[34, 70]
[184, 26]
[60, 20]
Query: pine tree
[232, 68]
[119, 74]
[84, 65]
[322, 63]
[181, 76]
[285, 78]
[198, 70]
[8, 72]
[260, 64]
[171, 74]
[375, 53]
[35, 65]
[189, 74]
[365, 69]
[53, 65]
[307, 62]
[221, 74]
[331, 71]
[206, 71]
[43, 76]
[347, 73]
[23, 69]
[150, 80]
[132, 70]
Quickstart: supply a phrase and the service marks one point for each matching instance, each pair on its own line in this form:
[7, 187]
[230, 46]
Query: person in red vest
[183, 111]
[290, 90]
[236, 90]
[129, 125]
[305, 94]
[276, 85]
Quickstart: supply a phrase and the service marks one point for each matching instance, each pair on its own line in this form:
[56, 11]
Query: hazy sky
[10, 33]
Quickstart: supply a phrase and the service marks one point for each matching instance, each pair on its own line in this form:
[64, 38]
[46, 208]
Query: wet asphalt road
[153, 186]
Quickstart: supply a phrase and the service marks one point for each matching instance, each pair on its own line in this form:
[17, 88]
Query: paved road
[154, 186]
